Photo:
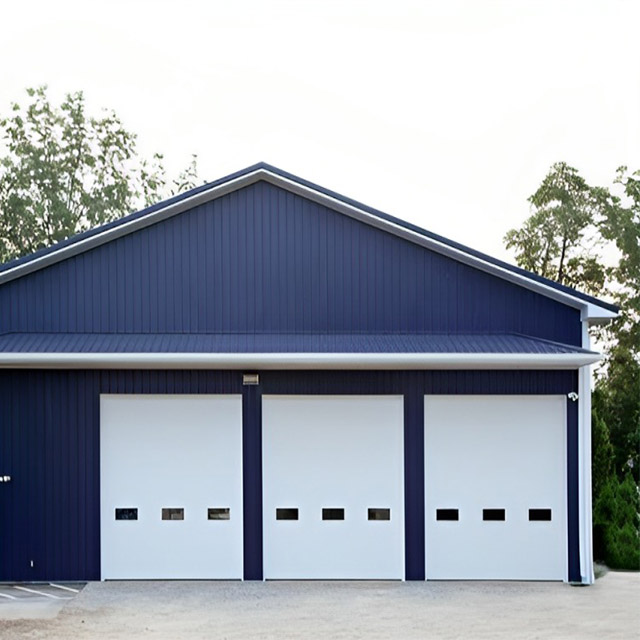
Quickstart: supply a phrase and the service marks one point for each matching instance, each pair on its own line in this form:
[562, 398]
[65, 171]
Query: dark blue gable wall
[264, 260]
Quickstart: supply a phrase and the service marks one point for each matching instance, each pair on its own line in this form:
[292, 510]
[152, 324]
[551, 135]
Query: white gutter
[296, 360]
[588, 309]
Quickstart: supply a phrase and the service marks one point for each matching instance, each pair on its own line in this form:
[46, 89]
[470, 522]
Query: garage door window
[172, 513]
[447, 514]
[333, 513]
[128, 513]
[219, 513]
[538, 515]
[286, 514]
[493, 514]
[379, 514]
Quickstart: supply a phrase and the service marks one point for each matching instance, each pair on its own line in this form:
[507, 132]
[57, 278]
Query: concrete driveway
[609, 609]
[35, 601]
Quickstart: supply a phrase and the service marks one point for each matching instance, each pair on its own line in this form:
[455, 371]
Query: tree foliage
[617, 394]
[65, 171]
[602, 454]
[617, 523]
[621, 225]
[559, 240]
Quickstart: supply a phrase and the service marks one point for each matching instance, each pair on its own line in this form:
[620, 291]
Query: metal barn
[263, 379]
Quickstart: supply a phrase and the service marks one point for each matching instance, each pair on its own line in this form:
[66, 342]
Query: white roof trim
[589, 310]
[296, 360]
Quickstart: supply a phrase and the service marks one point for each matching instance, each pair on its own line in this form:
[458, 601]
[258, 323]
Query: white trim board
[297, 360]
[584, 465]
[588, 309]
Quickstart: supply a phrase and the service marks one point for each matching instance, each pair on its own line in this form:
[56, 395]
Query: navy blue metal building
[264, 379]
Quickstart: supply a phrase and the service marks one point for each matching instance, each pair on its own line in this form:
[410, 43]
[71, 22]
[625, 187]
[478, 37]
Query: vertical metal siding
[414, 484]
[252, 482]
[265, 260]
[49, 434]
[573, 499]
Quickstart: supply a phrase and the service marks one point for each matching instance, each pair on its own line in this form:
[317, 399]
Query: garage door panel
[333, 452]
[495, 452]
[171, 452]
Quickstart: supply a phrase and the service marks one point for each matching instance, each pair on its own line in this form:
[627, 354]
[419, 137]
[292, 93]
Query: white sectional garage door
[333, 487]
[171, 486]
[495, 481]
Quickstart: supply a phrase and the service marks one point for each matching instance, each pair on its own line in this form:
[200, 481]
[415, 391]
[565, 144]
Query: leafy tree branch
[65, 171]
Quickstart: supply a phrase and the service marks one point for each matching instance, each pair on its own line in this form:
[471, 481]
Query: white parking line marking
[61, 586]
[41, 593]
[6, 595]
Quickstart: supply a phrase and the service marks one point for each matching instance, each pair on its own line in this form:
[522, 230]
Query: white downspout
[584, 464]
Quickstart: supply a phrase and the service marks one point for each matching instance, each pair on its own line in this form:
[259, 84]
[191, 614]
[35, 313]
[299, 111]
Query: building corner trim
[584, 453]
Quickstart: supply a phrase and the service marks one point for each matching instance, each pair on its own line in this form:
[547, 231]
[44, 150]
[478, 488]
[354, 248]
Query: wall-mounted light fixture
[250, 378]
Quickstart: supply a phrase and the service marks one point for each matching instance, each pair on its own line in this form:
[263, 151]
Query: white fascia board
[597, 315]
[295, 360]
[589, 310]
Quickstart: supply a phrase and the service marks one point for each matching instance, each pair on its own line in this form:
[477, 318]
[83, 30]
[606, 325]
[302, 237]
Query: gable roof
[591, 308]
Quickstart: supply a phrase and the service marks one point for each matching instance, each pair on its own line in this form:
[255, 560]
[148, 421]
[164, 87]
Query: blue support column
[252, 481]
[414, 485]
[573, 521]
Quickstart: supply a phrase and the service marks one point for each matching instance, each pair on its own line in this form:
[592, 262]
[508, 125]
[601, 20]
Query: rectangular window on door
[493, 514]
[286, 513]
[332, 513]
[540, 515]
[219, 513]
[127, 513]
[447, 514]
[172, 513]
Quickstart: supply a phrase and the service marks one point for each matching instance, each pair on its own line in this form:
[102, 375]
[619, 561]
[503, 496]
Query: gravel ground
[608, 609]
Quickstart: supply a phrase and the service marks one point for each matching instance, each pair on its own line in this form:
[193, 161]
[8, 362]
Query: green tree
[602, 455]
[559, 240]
[617, 396]
[65, 171]
[617, 523]
[616, 400]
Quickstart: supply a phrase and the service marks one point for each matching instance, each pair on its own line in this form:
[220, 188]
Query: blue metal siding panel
[573, 489]
[261, 260]
[414, 486]
[252, 481]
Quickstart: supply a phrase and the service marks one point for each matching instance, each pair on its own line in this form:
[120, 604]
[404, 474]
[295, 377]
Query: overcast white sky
[447, 114]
